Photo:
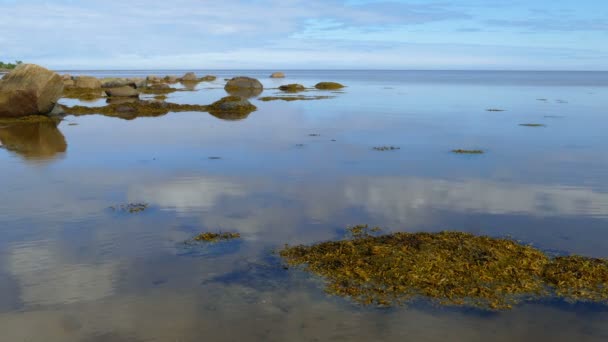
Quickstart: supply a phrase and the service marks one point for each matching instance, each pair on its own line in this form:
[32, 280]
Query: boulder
[171, 79]
[29, 89]
[243, 83]
[328, 86]
[125, 91]
[189, 77]
[68, 83]
[66, 77]
[231, 108]
[277, 75]
[116, 82]
[244, 87]
[153, 79]
[138, 82]
[87, 82]
[208, 78]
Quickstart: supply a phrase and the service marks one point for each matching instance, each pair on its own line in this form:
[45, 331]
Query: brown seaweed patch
[85, 94]
[294, 98]
[135, 109]
[450, 268]
[578, 278]
[494, 110]
[131, 208]
[215, 237]
[532, 125]
[160, 97]
[386, 148]
[158, 90]
[461, 151]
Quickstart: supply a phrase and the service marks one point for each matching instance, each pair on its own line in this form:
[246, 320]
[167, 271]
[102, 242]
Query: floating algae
[294, 98]
[386, 148]
[131, 208]
[135, 109]
[494, 110]
[532, 125]
[461, 151]
[215, 237]
[450, 268]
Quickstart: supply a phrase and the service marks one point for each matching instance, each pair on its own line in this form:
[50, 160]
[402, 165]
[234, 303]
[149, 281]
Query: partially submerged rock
[231, 108]
[451, 268]
[171, 79]
[124, 91]
[189, 77]
[328, 85]
[277, 75]
[532, 125]
[29, 90]
[131, 208]
[244, 86]
[292, 88]
[208, 78]
[386, 148]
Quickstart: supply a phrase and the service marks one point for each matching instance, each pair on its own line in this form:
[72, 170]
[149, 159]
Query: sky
[311, 34]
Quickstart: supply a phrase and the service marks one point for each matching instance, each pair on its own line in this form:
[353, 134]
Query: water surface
[296, 172]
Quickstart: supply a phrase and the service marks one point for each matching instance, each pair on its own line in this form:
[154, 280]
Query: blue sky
[311, 34]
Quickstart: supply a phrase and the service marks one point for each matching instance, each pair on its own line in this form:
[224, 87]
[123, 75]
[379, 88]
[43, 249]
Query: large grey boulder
[29, 90]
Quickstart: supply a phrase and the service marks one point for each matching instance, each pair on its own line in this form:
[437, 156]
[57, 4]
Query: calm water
[73, 270]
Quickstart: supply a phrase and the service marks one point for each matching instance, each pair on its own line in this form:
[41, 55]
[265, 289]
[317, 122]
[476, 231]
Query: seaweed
[461, 151]
[449, 268]
[85, 94]
[215, 237]
[494, 110]
[131, 208]
[532, 125]
[294, 98]
[386, 148]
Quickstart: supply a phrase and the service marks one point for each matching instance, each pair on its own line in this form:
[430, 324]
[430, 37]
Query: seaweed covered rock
[231, 108]
[208, 78]
[87, 82]
[189, 77]
[244, 87]
[116, 82]
[277, 75]
[328, 85]
[172, 79]
[292, 88]
[29, 90]
[124, 91]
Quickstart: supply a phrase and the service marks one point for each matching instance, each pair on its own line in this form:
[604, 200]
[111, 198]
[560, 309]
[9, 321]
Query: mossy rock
[231, 108]
[328, 86]
[208, 78]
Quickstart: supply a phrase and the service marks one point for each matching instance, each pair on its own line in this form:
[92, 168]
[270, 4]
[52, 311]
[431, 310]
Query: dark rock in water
[277, 75]
[231, 108]
[292, 88]
[208, 78]
[34, 140]
[125, 91]
[244, 87]
[29, 90]
[87, 82]
[189, 77]
[328, 85]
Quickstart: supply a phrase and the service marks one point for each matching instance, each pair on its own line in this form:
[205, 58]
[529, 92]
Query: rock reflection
[245, 92]
[34, 140]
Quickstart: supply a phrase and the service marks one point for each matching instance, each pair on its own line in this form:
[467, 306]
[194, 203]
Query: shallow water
[73, 270]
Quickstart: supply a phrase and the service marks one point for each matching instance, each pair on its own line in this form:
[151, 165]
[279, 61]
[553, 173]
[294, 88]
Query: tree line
[10, 65]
